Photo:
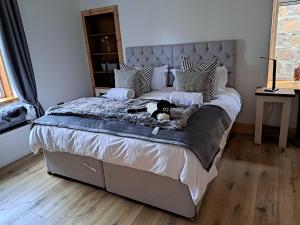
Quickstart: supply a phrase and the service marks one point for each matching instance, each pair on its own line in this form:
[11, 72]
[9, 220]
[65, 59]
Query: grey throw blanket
[202, 135]
[108, 109]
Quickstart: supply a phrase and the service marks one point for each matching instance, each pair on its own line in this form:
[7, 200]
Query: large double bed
[167, 176]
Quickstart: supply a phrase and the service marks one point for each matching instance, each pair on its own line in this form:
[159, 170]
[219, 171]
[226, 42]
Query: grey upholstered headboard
[172, 55]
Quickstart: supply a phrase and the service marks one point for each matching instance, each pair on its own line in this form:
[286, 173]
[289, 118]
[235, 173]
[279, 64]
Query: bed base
[81, 168]
[146, 187]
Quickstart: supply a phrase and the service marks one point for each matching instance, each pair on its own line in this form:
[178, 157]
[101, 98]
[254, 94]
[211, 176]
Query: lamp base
[271, 90]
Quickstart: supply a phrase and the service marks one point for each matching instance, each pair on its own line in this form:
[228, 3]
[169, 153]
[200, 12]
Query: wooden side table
[283, 96]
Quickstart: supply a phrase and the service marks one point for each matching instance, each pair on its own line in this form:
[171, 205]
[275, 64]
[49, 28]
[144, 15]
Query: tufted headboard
[172, 55]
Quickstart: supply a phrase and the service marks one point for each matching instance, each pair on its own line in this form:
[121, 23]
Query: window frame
[273, 38]
[5, 86]
[2, 93]
[279, 83]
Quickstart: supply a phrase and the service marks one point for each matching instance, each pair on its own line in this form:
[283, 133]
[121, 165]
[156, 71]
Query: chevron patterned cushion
[207, 65]
[144, 78]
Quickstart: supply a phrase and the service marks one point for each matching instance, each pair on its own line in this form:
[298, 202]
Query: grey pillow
[126, 79]
[191, 81]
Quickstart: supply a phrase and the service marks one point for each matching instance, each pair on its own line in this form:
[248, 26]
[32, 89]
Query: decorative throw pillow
[144, 78]
[159, 78]
[191, 81]
[221, 78]
[126, 79]
[207, 65]
[173, 72]
[126, 67]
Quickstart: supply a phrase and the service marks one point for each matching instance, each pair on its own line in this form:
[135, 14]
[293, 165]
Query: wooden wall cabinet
[103, 43]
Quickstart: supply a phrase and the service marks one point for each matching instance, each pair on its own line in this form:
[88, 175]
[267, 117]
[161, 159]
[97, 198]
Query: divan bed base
[146, 187]
[81, 168]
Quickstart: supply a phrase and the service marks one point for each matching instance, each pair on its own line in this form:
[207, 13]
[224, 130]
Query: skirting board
[246, 128]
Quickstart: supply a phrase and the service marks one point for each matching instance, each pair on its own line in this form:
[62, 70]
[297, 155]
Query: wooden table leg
[285, 120]
[296, 140]
[259, 119]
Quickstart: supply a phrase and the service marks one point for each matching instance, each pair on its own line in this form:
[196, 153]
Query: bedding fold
[209, 123]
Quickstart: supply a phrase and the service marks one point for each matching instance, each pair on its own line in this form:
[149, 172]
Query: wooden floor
[257, 184]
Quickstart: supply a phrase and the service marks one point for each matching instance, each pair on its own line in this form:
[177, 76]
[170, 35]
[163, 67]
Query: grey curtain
[16, 54]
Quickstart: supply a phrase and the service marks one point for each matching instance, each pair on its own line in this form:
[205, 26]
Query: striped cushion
[126, 68]
[144, 78]
[207, 65]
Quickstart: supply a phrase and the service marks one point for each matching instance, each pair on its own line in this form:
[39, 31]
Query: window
[6, 91]
[285, 41]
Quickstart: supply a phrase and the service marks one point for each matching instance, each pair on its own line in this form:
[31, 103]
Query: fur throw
[108, 109]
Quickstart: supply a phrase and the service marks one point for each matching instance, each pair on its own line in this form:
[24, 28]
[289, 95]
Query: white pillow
[221, 79]
[159, 78]
[173, 71]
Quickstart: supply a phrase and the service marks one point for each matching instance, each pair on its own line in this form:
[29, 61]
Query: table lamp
[273, 89]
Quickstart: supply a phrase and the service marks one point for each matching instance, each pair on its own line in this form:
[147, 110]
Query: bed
[163, 175]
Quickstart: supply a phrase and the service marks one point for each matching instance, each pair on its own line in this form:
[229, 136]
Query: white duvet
[163, 159]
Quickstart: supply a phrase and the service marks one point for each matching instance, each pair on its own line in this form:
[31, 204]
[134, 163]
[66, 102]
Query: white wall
[156, 22]
[55, 39]
[14, 145]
